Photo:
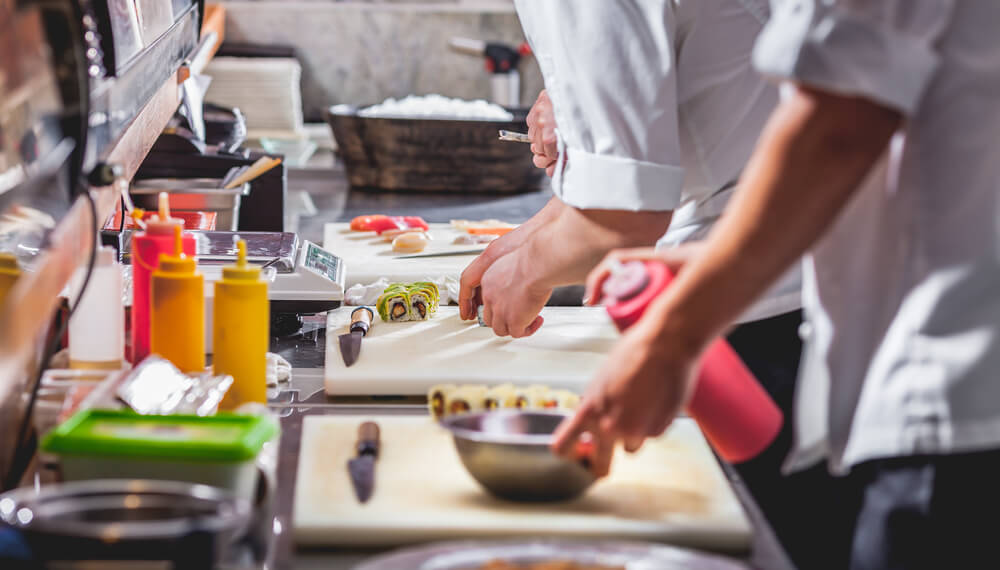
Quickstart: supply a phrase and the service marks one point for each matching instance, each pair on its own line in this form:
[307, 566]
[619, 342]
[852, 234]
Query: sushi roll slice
[565, 400]
[548, 399]
[424, 297]
[465, 399]
[394, 304]
[529, 397]
[502, 396]
[437, 396]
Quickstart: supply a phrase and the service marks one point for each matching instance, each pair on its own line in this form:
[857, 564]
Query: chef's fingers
[535, 109]
[550, 170]
[569, 431]
[468, 287]
[534, 326]
[542, 161]
[519, 330]
[632, 444]
[660, 425]
[550, 144]
[498, 323]
[595, 284]
[471, 279]
[604, 450]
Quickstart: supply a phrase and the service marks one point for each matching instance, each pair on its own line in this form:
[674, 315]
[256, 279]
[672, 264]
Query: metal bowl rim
[476, 436]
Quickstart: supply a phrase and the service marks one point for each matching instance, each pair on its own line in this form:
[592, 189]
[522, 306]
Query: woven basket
[432, 154]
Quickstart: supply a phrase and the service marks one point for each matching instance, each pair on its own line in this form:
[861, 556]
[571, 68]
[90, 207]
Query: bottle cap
[8, 264]
[177, 263]
[242, 270]
[161, 223]
[626, 281]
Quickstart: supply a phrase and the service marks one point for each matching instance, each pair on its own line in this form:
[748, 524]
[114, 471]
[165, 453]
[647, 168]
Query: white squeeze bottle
[97, 327]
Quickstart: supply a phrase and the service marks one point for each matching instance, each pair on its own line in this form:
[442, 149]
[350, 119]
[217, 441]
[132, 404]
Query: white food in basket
[437, 107]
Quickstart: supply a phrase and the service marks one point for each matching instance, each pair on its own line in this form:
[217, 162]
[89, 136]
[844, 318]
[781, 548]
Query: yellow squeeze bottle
[240, 325]
[9, 273]
[177, 310]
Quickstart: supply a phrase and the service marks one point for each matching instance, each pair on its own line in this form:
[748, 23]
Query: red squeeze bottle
[146, 249]
[738, 417]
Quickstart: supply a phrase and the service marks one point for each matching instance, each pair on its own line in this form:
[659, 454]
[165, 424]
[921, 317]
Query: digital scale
[302, 277]
[307, 279]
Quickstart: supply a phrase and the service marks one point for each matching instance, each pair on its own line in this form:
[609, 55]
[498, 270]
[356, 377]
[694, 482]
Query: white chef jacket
[902, 295]
[658, 107]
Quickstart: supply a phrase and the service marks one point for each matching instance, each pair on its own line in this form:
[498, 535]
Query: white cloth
[657, 106]
[902, 295]
[357, 295]
[278, 369]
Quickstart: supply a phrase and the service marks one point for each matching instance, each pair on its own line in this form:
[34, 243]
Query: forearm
[810, 160]
[575, 242]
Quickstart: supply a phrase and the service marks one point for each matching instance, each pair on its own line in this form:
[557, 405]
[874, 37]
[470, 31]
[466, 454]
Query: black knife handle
[368, 439]
[362, 319]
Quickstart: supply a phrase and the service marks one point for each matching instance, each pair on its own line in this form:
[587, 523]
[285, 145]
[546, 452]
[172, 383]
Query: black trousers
[903, 513]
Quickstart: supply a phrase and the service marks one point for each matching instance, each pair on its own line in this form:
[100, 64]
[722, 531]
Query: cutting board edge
[731, 541]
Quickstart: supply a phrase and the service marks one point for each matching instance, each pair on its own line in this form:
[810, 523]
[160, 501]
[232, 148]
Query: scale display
[322, 261]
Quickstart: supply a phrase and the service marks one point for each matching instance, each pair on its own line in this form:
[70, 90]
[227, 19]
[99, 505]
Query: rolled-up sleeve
[609, 70]
[882, 50]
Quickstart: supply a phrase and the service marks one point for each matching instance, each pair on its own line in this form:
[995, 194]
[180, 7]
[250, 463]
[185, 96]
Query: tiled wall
[364, 51]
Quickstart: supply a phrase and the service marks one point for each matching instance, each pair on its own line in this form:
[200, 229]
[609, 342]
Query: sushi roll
[502, 396]
[530, 397]
[464, 400]
[424, 297]
[394, 304]
[436, 398]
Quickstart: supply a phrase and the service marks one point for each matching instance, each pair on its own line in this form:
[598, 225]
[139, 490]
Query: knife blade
[514, 136]
[362, 319]
[443, 253]
[362, 467]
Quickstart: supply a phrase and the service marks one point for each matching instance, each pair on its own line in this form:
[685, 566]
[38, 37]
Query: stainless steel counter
[304, 395]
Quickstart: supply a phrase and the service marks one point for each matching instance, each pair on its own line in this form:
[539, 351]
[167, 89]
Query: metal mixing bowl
[508, 453]
[194, 526]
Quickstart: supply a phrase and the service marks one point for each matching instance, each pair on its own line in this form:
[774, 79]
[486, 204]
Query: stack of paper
[267, 90]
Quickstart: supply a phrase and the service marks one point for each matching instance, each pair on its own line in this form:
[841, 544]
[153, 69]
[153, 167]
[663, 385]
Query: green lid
[111, 433]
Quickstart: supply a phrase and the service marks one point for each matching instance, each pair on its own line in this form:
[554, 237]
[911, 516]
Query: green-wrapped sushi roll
[402, 302]
[424, 298]
[394, 303]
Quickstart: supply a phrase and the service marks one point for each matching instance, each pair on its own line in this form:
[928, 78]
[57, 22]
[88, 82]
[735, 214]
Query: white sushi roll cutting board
[408, 358]
[367, 257]
[671, 491]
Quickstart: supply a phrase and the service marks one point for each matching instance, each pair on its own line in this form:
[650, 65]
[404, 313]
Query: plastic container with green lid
[214, 450]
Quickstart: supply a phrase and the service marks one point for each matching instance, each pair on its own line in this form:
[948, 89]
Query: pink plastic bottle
[147, 247]
[738, 417]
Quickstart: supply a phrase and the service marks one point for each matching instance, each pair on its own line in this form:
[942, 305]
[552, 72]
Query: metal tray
[193, 195]
[473, 555]
[441, 155]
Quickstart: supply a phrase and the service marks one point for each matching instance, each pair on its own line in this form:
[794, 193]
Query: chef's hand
[513, 296]
[469, 296]
[542, 131]
[645, 381]
[674, 258]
